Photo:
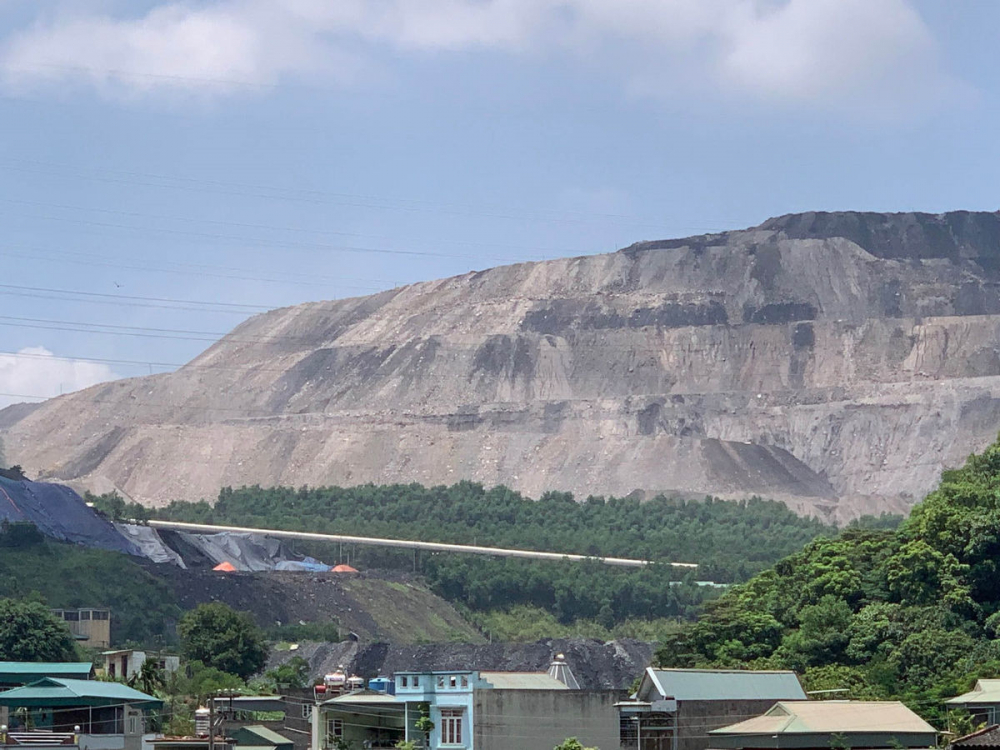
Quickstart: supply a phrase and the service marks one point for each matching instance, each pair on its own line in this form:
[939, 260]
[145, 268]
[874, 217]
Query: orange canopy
[344, 569]
[225, 567]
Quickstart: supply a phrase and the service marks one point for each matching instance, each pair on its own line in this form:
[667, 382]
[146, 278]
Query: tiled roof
[985, 737]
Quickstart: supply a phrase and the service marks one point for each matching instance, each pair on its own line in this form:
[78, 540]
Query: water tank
[383, 685]
[202, 722]
[335, 679]
[355, 683]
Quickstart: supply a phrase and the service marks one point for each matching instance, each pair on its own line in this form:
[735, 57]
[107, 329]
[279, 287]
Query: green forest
[912, 613]
[730, 541]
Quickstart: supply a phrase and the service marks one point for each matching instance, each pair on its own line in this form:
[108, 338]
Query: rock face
[836, 361]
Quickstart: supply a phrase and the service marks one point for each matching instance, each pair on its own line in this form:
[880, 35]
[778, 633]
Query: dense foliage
[29, 632]
[730, 541]
[69, 576]
[224, 639]
[911, 613]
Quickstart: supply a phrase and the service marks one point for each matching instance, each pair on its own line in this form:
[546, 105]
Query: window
[85, 615]
[404, 681]
[441, 681]
[133, 724]
[307, 711]
[451, 726]
[416, 681]
[334, 727]
[465, 681]
[453, 681]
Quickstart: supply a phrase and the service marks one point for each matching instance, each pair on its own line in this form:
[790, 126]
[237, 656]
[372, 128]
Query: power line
[241, 308]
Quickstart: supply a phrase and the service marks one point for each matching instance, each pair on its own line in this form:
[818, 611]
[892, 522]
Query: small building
[983, 702]
[191, 743]
[124, 664]
[103, 715]
[674, 709]
[90, 627]
[258, 737]
[820, 725]
[472, 710]
[294, 707]
[987, 738]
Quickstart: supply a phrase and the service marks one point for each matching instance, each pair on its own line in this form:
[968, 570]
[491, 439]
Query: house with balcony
[101, 715]
[90, 627]
[472, 710]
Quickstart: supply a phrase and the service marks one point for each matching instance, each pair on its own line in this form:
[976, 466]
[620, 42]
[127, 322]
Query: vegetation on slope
[912, 613]
[730, 541]
[69, 576]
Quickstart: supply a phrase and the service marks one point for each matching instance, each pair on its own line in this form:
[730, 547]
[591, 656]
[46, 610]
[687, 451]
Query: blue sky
[244, 154]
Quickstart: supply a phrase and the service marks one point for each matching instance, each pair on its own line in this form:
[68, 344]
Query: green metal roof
[721, 684]
[23, 672]
[53, 691]
[269, 736]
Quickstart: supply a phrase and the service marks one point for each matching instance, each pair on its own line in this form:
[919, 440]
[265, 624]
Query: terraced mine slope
[836, 361]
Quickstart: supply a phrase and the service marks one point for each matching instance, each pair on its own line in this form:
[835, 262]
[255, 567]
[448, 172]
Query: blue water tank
[383, 685]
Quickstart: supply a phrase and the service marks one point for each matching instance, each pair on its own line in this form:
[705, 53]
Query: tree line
[911, 613]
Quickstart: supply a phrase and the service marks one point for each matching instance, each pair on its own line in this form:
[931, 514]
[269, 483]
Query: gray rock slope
[836, 361]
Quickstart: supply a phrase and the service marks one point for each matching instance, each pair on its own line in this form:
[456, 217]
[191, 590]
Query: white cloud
[814, 51]
[35, 371]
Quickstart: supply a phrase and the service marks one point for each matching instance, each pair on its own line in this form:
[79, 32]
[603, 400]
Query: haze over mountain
[836, 361]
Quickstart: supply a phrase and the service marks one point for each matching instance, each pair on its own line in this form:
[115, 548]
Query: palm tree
[149, 678]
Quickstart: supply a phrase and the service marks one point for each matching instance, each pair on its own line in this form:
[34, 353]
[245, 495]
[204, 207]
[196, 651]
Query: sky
[169, 168]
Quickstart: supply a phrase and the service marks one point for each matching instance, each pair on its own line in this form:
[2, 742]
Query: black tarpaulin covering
[60, 513]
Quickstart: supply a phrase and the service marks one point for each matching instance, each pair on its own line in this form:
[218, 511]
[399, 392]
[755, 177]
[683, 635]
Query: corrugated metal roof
[812, 717]
[985, 691]
[46, 667]
[60, 692]
[270, 736]
[727, 684]
[522, 681]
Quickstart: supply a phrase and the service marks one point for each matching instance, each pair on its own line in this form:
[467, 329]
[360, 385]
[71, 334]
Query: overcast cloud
[37, 372]
[834, 53]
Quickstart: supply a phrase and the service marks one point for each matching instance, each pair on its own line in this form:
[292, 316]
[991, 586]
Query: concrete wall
[541, 719]
[695, 719]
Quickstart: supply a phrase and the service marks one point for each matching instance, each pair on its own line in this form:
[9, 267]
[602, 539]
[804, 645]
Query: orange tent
[344, 569]
[225, 567]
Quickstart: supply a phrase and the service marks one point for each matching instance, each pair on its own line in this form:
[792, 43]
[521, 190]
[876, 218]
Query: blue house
[473, 710]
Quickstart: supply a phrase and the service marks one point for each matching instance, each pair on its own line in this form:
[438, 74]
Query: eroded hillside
[835, 361]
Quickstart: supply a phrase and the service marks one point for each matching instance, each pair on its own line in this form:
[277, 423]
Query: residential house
[820, 725]
[472, 710]
[103, 715]
[293, 711]
[983, 702]
[258, 737]
[91, 627]
[674, 709]
[126, 663]
[987, 738]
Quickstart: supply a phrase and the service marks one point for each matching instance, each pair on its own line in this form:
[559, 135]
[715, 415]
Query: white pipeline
[410, 544]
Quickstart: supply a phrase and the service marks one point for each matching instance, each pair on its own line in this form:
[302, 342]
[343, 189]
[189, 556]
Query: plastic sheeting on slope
[305, 565]
[150, 544]
[60, 513]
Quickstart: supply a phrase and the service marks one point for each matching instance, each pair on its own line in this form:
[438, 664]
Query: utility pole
[211, 722]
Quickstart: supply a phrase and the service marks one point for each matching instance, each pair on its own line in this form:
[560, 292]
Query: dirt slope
[834, 361]
[375, 607]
